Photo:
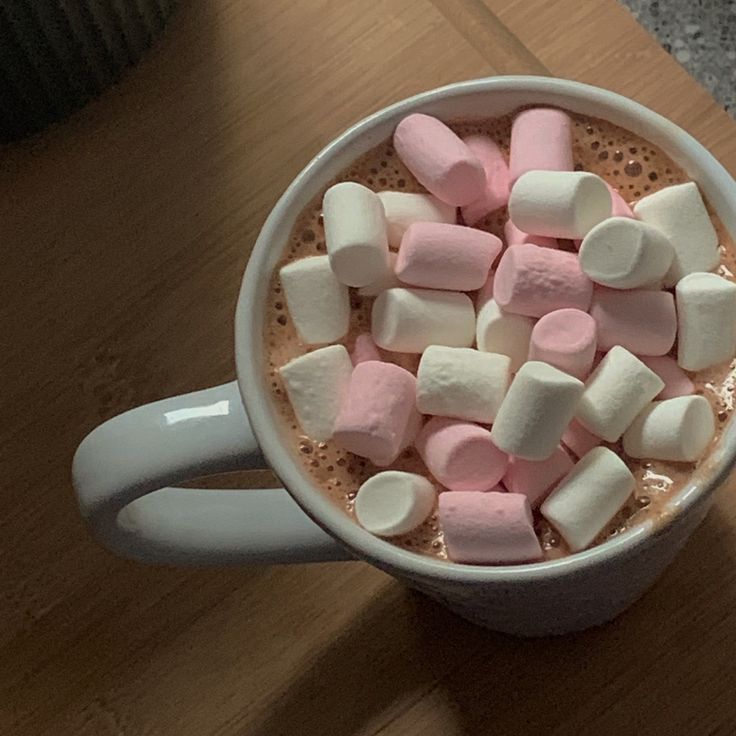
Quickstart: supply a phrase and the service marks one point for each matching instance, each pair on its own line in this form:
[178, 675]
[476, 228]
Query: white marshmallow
[316, 384]
[500, 332]
[355, 233]
[679, 212]
[387, 280]
[394, 502]
[618, 389]
[625, 254]
[536, 411]
[403, 209]
[706, 320]
[462, 383]
[318, 303]
[678, 429]
[588, 497]
[410, 320]
[560, 204]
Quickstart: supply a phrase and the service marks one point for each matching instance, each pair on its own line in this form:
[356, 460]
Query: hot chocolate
[628, 163]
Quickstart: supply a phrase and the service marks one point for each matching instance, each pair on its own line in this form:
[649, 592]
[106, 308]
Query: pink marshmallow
[514, 236]
[578, 439]
[435, 255]
[439, 160]
[565, 339]
[533, 281]
[378, 413]
[461, 454]
[412, 429]
[496, 192]
[641, 320]
[619, 206]
[541, 138]
[676, 381]
[364, 349]
[536, 478]
[488, 528]
[485, 293]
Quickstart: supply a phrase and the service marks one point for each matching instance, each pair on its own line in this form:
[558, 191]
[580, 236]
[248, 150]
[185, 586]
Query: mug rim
[250, 367]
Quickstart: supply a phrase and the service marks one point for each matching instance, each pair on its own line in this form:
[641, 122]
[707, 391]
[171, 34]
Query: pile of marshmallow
[508, 389]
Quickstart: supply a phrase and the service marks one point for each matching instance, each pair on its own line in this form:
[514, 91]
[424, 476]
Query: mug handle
[122, 470]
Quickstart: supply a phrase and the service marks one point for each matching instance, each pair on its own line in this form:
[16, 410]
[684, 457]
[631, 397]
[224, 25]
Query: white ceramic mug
[122, 468]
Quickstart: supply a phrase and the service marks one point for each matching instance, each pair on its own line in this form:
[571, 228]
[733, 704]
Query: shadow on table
[125, 233]
[408, 660]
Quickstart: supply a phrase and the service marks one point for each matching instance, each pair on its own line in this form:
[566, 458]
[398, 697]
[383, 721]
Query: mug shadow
[408, 665]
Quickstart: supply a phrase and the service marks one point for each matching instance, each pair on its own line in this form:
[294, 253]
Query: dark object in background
[55, 55]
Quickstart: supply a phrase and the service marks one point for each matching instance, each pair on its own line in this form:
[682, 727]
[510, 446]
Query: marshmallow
[485, 293]
[642, 321]
[439, 256]
[496, 192]
[619, 206]
[488, 528]
[535, 478]
[706, 310]
[678, 429]
[410, 320]
[460, 455]
[462, 383]
[387, 280]
[577, 439]
[589, 497]
[403, 209]
[679, 212]
[497, 331]
[355, 233]
[536, 410]
[619, 388]
[317, 384]
[624, 254]
[565, 339]
[412, 429]
[560, 204]
[541, 138]
[364, 349]
[514, 236]
[377, 412]
[532, 281]
[439, 160]
[318, 303]
[676, 381]
[394, 502]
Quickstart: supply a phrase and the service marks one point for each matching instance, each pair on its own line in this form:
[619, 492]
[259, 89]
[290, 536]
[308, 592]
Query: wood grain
[125, 232]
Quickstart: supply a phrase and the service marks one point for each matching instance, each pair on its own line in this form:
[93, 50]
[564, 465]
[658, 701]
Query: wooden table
[125, 232]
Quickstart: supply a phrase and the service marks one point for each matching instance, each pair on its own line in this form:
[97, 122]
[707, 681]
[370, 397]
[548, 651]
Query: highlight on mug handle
[122, 471]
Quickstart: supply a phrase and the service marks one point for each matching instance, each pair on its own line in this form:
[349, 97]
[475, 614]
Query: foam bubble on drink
[632, 165]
